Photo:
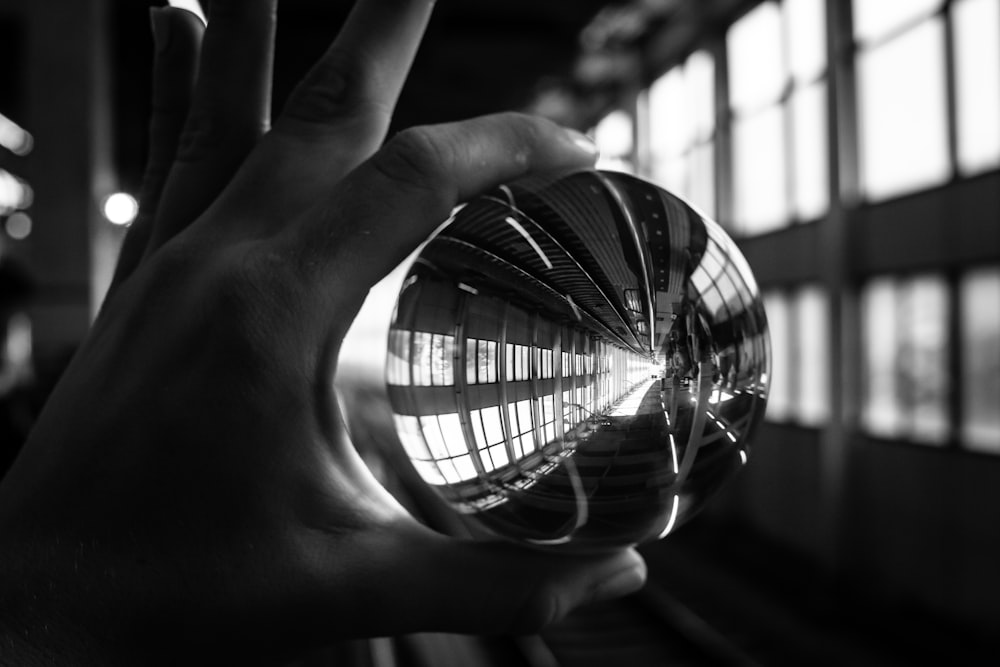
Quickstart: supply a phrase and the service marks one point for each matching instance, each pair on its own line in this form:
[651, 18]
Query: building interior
[851, 149]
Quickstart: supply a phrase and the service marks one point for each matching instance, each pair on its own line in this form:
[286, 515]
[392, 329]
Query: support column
[68, 110]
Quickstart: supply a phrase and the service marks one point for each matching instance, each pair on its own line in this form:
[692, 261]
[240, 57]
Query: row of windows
[457, 444]
[432, 362]
[910, 341]
[908, 57]
[442, 454]
[432, 358]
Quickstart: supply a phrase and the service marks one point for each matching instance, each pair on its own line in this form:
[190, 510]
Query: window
[521, 427]
[481, 361]
[905, 380]
[488, 431]
[543, 362]
[447, 446]
[812, 347]
[680, 119]
[546, 412]
[902, 109]
[777, 83]
[518, 362]
[799, 387]
[433, 359]
[976, 25]
[398, 355]
[980, 326]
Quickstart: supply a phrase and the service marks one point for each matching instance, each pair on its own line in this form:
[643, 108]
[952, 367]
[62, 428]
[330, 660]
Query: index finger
[365, 68]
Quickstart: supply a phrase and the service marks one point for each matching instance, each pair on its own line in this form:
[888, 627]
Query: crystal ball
[577, 359]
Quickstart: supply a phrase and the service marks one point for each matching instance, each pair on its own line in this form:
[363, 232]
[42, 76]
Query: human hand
[189, 489]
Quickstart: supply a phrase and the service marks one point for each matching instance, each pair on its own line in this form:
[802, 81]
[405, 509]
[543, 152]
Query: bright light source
[192, 6]
[15, 138]
[120, 208]
[18, 226]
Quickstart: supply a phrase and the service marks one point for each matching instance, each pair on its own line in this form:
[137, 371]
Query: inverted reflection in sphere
[578, 360]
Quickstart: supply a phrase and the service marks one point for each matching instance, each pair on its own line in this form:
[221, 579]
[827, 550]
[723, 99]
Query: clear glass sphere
[577, 360]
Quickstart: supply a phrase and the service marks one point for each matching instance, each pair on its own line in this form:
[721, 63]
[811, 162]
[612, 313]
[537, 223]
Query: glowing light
[527, 237]
[18, 226]
[120, 208]
[192, 6]
[719, 396]
[15, 138]
[14, 193]
[672, 519]
[743, 457]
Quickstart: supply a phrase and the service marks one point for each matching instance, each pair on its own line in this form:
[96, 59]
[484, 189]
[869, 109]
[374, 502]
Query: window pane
[422, 360]
[471, 361]
[759, 172]
[443, 372]
[809, 134]
[977, 79]
[779, 389]
[498, 454]
[397, 370]
[902, 97]
[408, 428]
[491, 371]
[812, 367]
[701, 189]
[876, 18]
[756, 63]
[430, 472]
[805, 28]
[980, 315]
[699, 74]
[668, 123]
[477, 429]
[923, 359]
[464, 466]
[451, 432]
[881, 413]
[432, 434]
[492, 426]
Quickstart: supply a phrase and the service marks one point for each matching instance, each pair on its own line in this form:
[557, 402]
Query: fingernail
[622, 582]
[160, 21]
[583, 142]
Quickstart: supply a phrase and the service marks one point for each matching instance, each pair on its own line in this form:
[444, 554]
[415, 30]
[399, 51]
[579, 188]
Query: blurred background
[852, 149]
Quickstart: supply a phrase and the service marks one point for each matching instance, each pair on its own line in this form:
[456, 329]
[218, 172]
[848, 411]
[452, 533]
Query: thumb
[391, 203]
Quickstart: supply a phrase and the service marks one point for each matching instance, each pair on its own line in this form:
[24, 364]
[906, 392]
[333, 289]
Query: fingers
[177, 35]
[339, 114]
[404, 192]
[230, 111]
[360, 76]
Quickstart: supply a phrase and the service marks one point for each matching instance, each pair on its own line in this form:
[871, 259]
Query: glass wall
[740, 124]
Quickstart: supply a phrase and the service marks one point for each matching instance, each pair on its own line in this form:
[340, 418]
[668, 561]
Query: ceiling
[568, 59]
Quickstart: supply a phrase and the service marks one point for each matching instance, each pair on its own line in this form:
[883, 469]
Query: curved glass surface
[578, 360]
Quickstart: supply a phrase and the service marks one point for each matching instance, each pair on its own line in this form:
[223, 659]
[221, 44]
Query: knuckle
[337, 86]
[415, 157]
